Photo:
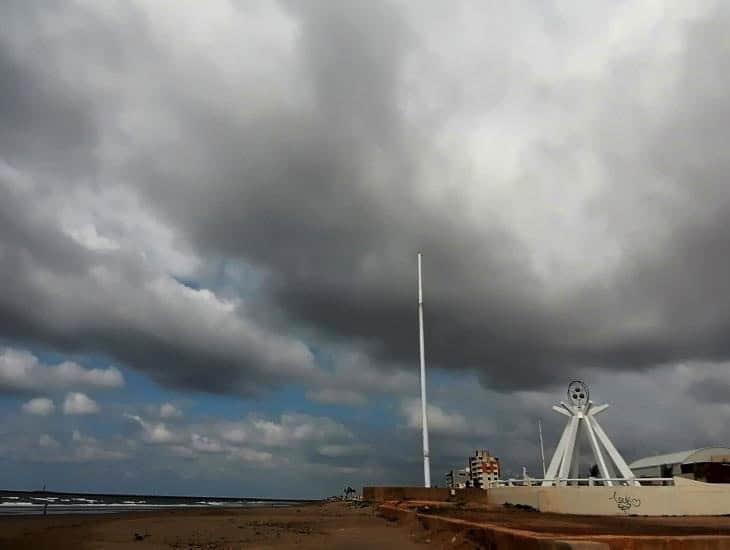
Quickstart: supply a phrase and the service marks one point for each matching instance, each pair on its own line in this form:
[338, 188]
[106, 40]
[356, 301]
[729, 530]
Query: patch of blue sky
[9, 404]
[227, 277]
[141, 392]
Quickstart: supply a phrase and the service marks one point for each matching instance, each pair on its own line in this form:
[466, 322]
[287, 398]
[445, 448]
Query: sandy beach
[329, 525]
[355, 526]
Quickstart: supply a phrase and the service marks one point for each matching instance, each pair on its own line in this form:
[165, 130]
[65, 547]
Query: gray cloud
[567, 189]
[41, 406]
[328, 199]
[79, 403]
[62, 293]
[21, 372]
[45, 126]
[318, 455]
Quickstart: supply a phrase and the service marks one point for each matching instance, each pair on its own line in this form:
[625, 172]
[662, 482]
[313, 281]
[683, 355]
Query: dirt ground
[332, 525]
[560, 524]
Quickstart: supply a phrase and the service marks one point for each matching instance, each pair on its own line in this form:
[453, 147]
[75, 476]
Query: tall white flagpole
[424, 421]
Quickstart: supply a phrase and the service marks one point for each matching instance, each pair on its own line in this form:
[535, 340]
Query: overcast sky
[210, 214]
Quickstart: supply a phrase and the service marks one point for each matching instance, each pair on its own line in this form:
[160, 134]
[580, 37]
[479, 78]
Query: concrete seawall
[685, 498]
[490, 533]
[383, 494]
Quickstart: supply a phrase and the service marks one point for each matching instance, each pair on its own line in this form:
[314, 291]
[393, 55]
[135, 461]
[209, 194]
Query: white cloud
[168, 410]
[48, 442]
[290, 430]
[251, 455]
[342, 450]
[79, 403]
[439, 421]
[155, 432]
[205, 444]
[113, 218]
[84, 448]
[47, 448]
[41, 406]
[253, 439]
[234, 433]
[21, 371]
[87, 235]
[68, 373]
[87, 453]
[182, 451]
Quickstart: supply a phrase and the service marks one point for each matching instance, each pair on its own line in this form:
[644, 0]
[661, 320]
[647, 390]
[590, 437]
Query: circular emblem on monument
[578, 393]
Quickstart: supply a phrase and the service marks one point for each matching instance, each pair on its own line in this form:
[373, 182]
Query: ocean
[15, 503]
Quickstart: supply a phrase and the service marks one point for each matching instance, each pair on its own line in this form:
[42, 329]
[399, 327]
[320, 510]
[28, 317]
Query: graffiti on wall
[625, 503]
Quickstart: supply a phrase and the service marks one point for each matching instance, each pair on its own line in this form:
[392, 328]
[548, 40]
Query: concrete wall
[529, 496]
[383, 494]
[685, 498]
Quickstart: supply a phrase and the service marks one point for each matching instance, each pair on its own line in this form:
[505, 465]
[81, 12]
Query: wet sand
[335, 525]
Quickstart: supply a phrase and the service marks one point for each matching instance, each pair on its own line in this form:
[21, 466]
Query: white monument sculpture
[581, 413]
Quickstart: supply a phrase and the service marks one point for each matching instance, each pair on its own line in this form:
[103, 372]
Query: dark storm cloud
[326, 199]
[45, 124]
[73, 294]
[60, 294]
[325, 183]
[36, 121]
[710, 389]
[342, 236]
[668, 302]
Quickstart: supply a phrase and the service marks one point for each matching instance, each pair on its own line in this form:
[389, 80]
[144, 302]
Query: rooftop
[703, 454]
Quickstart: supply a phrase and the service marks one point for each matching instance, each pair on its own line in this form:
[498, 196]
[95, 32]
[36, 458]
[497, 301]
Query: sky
[210, 214]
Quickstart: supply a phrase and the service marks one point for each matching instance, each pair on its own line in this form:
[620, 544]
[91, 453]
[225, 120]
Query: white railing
[589, 481]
